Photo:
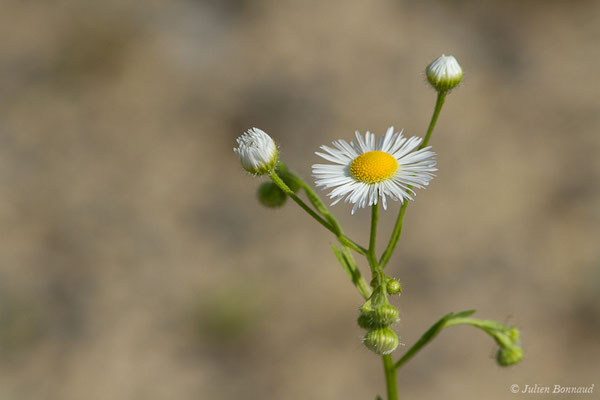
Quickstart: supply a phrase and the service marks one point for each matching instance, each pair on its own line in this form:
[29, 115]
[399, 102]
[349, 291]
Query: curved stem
[387, 254]
[316, 201]
[436, 113]
[446, 320]
[281, 184]
[426, 338]
[390, 377]
[333, 229]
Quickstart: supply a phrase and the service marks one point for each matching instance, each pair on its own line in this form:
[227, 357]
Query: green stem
[446, 320]
[492, 328]
[436, 113]
[426, 338]
[344, 256]
[486, 325]
[316, 201]
[281, 184]
[390, 377]
[388, 364]
[387, 254]
[372, 237]
[496, 330]
[341, 237]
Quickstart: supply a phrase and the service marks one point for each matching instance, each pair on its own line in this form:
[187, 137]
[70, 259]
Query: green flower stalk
[367, 172]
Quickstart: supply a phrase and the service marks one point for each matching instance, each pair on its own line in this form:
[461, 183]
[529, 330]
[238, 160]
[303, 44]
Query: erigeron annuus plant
[366, 172]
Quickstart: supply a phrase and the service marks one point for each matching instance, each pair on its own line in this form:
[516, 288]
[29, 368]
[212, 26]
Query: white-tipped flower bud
[257, 151]
[444, 74]
[381, 340]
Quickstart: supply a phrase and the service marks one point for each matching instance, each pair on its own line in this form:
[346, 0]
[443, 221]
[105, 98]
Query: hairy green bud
[393, 286]
[381, 340]
[365, 321]
[507, 356]
[270, 195]
[367, 307]
[379, 317]
[386, 314]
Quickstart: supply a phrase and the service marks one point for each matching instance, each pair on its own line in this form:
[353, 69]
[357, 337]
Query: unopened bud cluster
[376, 316]
[510, 351]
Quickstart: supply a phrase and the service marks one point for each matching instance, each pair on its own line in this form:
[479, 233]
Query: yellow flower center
[373, 166]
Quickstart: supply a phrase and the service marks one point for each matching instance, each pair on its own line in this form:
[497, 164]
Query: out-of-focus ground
[135, 262]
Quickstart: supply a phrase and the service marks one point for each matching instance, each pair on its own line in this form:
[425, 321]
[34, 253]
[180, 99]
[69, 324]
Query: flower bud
[365, 321]
[513, 334]
[393, 286]
[365, 318]
[381, 340]
[508, 356]
[367, 307]
[385, 314]
[257, 152]
[444, 74]
[270, 195]
[381, 316]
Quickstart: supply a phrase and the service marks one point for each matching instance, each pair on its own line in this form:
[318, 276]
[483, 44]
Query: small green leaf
[343, 261]
[463, 314]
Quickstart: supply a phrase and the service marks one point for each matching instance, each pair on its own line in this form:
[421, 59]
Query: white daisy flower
[257, 151]
[364, 171]
[444, 73]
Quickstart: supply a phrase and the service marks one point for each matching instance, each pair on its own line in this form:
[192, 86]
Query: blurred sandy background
[135, 262]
